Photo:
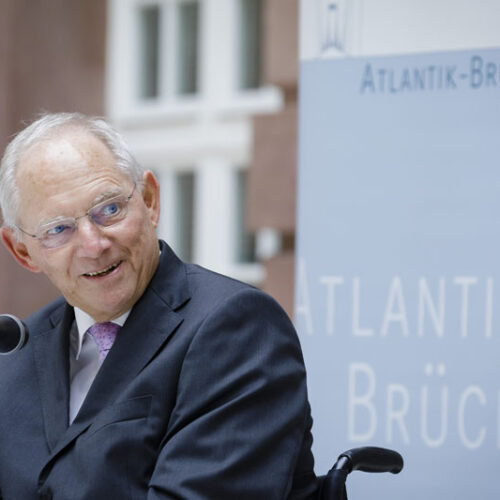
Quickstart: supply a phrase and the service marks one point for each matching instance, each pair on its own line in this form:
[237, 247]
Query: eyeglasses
[58, 232]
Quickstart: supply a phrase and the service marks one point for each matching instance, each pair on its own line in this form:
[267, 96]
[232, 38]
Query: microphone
[13, 334]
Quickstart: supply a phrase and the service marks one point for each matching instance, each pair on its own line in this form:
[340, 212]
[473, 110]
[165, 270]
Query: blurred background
[205, 91]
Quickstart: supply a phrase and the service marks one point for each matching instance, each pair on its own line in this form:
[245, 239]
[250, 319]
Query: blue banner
[397, 279]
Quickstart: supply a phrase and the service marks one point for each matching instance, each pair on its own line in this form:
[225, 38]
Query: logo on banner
[336, 22]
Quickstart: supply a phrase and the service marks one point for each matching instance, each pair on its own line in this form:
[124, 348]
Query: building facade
[204, 91]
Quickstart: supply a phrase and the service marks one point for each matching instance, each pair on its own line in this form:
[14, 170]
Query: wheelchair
[366, 459]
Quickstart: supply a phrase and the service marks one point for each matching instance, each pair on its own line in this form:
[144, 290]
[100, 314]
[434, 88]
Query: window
[250, 57]
[184, 214]
[187, 55]
[168, 38]
[245, 242]
[149, 20]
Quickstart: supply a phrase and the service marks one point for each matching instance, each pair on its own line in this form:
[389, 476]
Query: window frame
[123, 53]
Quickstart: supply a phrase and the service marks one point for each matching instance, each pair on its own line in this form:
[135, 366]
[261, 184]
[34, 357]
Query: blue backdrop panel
[397, 280]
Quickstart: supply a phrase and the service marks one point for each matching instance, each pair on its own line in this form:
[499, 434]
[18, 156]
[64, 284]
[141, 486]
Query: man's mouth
[103, 272]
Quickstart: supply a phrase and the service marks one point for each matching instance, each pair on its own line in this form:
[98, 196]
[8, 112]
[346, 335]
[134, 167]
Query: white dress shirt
[84, 362]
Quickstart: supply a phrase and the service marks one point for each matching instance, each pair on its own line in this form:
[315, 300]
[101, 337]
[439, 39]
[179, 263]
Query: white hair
[43, 127]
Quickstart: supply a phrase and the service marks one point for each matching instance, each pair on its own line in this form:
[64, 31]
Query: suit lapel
[152, 321]
[143, 334]
[51, 361]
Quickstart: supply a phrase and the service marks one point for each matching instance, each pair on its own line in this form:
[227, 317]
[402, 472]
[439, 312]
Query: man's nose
[91, 239]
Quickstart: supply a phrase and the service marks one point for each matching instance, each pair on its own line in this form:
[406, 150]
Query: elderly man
[149, 377]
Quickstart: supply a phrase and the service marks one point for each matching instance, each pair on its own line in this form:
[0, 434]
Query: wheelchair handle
[370, 459]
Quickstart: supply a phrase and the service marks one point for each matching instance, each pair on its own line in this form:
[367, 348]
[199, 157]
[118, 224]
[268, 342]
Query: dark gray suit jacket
[203, 396]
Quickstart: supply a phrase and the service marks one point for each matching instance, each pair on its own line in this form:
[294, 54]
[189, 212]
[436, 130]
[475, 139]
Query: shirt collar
[83, 323]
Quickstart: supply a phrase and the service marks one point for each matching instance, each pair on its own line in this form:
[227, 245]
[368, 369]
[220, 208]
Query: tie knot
[104, 335]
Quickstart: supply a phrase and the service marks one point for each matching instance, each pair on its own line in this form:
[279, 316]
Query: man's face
[101, 270]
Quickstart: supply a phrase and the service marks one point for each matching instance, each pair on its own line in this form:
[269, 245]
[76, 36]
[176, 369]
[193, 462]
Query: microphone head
[13, 334]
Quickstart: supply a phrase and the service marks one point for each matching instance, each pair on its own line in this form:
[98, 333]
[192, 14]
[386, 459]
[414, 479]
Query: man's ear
[18, 249]
[151, 196]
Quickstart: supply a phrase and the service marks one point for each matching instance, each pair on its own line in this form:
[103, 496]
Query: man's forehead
[54, 157]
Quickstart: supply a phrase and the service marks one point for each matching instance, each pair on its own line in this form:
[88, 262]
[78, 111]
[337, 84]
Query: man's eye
[57, 229]
[110, 209]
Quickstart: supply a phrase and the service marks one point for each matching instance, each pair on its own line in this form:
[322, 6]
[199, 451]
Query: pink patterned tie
[104, 334]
